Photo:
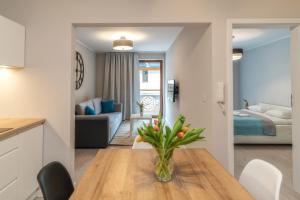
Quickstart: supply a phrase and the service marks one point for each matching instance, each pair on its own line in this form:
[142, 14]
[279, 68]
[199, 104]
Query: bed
[258, 127]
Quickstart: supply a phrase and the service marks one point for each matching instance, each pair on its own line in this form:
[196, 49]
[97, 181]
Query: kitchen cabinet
[12, 43]
[21, 158]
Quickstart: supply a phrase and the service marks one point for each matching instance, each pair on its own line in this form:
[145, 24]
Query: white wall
[295, 63]
[45, 88]
[88, 87]
[188, 61]
[265, 74]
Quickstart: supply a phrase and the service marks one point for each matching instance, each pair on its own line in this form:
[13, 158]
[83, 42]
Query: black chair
[55, 182]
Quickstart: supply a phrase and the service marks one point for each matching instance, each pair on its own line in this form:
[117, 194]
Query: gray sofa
[96, 131]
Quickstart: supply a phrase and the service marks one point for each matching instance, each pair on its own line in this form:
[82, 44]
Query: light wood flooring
[278, 155]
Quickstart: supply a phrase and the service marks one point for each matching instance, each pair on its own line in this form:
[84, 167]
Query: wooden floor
[278, 155]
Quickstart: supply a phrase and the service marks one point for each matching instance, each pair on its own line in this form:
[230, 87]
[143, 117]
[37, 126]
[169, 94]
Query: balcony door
[151, 85]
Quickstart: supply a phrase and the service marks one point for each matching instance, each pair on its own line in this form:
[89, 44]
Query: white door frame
[229, 72]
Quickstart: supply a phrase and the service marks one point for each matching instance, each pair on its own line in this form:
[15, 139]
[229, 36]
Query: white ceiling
[151, 39]
[249, 38]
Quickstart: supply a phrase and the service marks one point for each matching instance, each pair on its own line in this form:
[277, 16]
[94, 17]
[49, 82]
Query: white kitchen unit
[21, 158]
[12, 43]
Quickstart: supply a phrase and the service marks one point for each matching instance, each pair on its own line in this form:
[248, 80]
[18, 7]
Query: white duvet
[276, 120]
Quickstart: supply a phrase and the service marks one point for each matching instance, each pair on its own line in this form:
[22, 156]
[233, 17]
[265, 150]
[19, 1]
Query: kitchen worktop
[18, 125]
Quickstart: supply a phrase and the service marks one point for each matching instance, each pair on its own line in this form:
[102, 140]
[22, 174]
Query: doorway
[292, 25]
[143, 79]
[151, 86]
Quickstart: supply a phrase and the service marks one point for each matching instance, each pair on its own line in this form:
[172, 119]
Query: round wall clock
[79, 70]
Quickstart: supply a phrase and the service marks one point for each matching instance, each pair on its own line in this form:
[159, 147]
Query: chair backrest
[55, 182]
[262, 180]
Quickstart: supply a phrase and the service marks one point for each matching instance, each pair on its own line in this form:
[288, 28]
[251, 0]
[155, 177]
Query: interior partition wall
[294, 25]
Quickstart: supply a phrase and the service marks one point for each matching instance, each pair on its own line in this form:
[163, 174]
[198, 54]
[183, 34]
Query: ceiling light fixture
[122, 44]
[237, 54]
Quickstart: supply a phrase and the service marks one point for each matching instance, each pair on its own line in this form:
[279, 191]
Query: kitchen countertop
[18, 125]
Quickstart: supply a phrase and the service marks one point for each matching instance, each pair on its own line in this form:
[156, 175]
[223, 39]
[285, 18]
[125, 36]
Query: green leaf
[176, 128]
[168, 133]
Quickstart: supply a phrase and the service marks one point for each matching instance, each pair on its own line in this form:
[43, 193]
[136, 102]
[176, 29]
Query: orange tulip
[185, 129]
[156, 128]
[156, 122]
[180, 134]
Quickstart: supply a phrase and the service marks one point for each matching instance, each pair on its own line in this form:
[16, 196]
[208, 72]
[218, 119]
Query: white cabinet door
[12, 43]
[9, 168]
[10, 192]
[31, 157]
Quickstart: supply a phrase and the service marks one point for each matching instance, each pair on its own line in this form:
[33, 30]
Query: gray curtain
[121, 80]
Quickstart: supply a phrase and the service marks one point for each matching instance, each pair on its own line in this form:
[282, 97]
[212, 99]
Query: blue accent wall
[265, 74]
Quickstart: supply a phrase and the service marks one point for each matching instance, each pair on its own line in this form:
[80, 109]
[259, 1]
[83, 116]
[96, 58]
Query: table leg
[131, 128]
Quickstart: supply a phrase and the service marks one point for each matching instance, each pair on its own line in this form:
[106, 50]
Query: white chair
[262, 180]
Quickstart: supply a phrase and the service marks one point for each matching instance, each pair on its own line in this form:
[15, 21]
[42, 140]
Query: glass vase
[164, 167]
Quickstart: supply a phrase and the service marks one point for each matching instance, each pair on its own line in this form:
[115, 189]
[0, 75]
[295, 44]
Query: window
[145, 76]
[150, 85]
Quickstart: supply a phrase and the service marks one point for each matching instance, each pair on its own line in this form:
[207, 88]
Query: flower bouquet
[165, 140]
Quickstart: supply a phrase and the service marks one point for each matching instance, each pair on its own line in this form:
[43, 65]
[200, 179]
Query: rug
[122, 136]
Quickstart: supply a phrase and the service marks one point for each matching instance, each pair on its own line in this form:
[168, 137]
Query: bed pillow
[264, 107]
[255, 108]
[282, 113]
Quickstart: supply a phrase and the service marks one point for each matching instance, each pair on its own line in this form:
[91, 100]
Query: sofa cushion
[97, 105]
[80, 108]
[107, 106]
[89, 111]
[115, 119]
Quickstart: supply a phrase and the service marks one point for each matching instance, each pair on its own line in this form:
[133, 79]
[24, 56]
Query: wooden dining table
[127, 174]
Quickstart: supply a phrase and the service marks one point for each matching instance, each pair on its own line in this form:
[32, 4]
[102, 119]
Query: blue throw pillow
[107, 106]
[89, 111]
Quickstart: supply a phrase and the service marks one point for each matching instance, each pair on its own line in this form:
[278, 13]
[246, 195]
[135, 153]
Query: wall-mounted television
[172, 90]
